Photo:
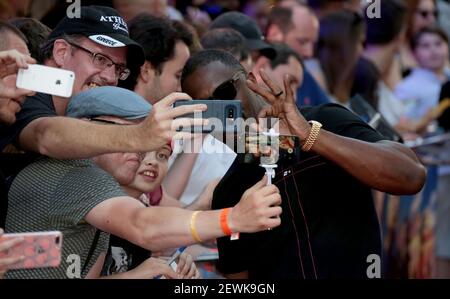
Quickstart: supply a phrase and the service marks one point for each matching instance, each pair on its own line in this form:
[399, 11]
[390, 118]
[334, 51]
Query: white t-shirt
[213, 161]
[389, 105]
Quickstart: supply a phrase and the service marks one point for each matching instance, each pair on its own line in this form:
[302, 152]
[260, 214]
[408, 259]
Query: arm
[67, 138]
[158, 228]
[203, 202]
[179, 173]
[169, 201]
[70, 138]
[385, 166]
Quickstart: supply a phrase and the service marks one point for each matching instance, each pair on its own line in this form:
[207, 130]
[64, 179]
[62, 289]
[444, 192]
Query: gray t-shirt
[57, 195]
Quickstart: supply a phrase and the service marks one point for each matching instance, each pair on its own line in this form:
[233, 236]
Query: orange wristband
[224, 222]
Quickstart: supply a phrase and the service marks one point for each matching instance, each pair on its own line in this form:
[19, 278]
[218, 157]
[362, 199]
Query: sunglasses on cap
[226, 90]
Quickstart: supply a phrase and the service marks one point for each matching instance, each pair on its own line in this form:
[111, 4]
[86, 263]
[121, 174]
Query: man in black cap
[255, 42]
[98, 49]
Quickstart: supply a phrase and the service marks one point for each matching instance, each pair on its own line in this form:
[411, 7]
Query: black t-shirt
[39, 105]
[123, 256]
[329, 224]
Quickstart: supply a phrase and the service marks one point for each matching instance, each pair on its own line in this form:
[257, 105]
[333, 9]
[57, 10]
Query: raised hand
[282, 106]
[5, 245]
[160, 127]
[10, 62]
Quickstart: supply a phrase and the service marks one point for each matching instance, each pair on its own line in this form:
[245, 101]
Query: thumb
[259, 185]
[289, 90]
[169, 273]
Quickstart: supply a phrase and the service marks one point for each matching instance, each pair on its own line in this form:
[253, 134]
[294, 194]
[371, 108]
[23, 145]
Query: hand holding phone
[36, 250]
[222, 116]
[46, 79]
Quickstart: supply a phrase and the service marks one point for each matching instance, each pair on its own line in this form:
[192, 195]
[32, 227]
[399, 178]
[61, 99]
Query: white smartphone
[46, 79]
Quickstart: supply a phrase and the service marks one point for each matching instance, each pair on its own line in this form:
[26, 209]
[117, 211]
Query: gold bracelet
[312, 137]
[193, 230]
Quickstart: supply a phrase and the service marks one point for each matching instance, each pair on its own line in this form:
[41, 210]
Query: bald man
[297, 26]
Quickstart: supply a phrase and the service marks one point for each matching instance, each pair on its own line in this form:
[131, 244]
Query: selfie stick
[270, 172]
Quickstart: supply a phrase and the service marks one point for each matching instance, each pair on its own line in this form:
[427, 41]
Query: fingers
[186, 109]
[267, 95]
[168, 272]
[180, 123]
[197, 274]
[8, 262]
[172, 98]
[274, 88]
[289, 90]
[12, 60]
[186, 266]
[192, 272]
[268, 191]
[182, 264]
[271, 194]
[8, 244]
[259, 185]
[266, 112]
[13, 92]
[185, 136]
[273, 222]
[30, 60]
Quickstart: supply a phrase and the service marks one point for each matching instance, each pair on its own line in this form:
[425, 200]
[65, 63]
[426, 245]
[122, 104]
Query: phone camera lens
[230, 113]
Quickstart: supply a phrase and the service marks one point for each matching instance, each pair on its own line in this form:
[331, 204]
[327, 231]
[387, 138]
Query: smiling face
[151, 171]
[87, 75]
[8, 106]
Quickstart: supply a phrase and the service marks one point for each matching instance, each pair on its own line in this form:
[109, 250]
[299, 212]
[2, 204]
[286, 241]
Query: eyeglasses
[104, 62]
[226, 90]
[426, 13]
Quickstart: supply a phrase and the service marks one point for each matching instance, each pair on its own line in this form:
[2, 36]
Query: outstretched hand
[282, 106]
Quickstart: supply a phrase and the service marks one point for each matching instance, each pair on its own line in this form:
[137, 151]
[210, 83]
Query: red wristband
[224, 222]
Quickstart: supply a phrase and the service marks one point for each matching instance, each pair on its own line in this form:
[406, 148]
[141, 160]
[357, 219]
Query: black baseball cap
[104, 26]
[248, 28]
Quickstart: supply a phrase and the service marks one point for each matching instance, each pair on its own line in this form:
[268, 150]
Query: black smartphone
[225, 116]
